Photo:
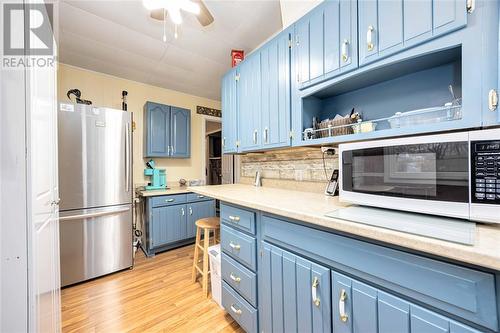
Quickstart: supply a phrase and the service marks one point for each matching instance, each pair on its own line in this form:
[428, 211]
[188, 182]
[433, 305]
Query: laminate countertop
[169, 191]
[312, 207]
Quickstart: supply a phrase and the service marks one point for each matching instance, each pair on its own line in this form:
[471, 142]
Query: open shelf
[412, 94]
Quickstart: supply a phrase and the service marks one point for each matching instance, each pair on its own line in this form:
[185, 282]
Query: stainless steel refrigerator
[95, 186]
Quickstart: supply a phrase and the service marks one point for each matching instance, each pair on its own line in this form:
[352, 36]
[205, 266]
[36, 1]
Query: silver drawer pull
[201, 196]
[234, 218]
[236, 311]
[234, 246]
[314, 291]
[342, 314]
[369, 38]
[170, 200]
[235, 278]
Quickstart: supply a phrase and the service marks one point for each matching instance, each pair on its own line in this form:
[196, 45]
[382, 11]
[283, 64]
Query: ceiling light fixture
[173, 7]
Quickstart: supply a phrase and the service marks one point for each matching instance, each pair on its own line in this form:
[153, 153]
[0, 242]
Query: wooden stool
[206, 225]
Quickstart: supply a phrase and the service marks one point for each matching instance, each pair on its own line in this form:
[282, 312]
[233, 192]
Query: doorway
[213, 152]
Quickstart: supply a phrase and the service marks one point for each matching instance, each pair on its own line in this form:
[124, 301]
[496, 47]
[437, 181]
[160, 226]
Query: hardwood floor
[157, 295]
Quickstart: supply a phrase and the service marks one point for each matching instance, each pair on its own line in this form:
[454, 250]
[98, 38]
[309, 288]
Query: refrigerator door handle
[127, 157]
[94, 214]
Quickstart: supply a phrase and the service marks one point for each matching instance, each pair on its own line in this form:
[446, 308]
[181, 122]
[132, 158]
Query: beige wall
[105, 90]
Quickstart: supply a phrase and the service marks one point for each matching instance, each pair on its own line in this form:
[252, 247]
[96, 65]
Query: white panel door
[43, 200]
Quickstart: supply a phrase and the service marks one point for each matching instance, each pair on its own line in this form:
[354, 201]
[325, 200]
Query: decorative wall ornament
[208, 111]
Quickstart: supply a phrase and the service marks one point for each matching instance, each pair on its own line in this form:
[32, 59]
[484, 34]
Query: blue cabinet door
[168, 225]
[229, 103]
[358, 307]
[196, 211]
[326, 42]
[294, 293]
[157, 130]
[389, 26]
[275, 101]
[180, 143]
[249, 96]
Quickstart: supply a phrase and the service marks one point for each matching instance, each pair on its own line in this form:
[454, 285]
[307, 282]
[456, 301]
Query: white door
[43, 200]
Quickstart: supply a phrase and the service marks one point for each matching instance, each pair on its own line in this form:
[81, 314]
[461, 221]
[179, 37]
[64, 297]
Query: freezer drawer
[95, 242]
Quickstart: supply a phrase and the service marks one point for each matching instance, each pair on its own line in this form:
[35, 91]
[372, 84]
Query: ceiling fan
[160, 9]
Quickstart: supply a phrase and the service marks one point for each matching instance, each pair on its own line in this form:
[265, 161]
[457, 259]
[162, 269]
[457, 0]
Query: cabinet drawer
[167, 200]
[240, 278]
[192, 197]
[239, 246]
[238, 218]
[464, 292]
[239, 309]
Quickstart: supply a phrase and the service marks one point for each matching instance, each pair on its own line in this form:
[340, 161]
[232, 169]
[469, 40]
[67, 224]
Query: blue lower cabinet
[239, 309]
[170, 221]
[168, 224]
[196, 211]
[358, 307]
[294, 293]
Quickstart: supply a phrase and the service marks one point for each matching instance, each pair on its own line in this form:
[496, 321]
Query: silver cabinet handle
[201, 196]
[170, 200]
[342, 299]
[255, 136]
[471, 5]
[223, 141]
[345, 50]
[266, 132]
[235, 278]
[234, 218]
[236, 311]
[168, 150]
[492, 100]
[314, 290]
[369, 38]
[234, 246]
[183, 211]
[190, 211]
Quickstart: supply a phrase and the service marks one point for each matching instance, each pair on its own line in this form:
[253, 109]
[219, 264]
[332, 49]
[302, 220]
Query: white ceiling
[119, 38]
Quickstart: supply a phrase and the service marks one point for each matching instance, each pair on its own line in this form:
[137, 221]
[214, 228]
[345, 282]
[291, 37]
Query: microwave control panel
[485, 172]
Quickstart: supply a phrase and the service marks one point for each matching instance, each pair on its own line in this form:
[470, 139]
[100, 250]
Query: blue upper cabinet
[229, 96]
[389, 26]
[157, 130]
[180, 120]
[275, 92]
[326, 42]
[166, 131]
[249, 88]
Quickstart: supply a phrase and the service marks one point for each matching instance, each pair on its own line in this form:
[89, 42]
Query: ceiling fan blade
[158, 14]
[205, 17]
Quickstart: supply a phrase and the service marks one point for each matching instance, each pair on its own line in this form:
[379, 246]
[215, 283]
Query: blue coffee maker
[158, 177]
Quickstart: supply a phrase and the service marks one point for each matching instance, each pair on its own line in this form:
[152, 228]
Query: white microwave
[452, 174]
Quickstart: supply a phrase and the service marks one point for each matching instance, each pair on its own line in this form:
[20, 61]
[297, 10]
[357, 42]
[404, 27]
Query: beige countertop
[312, 207]
[171, 190]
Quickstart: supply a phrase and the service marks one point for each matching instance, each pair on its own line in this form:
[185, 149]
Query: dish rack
[347, 126]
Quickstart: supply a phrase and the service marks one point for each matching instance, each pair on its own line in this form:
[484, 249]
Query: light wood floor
[157, 295]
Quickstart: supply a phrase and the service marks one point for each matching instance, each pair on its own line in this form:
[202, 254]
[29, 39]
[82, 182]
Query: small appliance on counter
[451, 174]
[158, 177]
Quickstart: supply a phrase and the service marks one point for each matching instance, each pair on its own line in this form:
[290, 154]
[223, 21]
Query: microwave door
[429, 178]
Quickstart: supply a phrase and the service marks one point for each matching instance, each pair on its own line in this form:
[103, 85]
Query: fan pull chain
[164, 25]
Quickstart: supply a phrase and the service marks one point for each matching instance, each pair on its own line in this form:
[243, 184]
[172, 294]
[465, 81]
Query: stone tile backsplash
[296, 164]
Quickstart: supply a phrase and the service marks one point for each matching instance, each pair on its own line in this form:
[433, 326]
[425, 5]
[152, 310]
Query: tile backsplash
[291, 164]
